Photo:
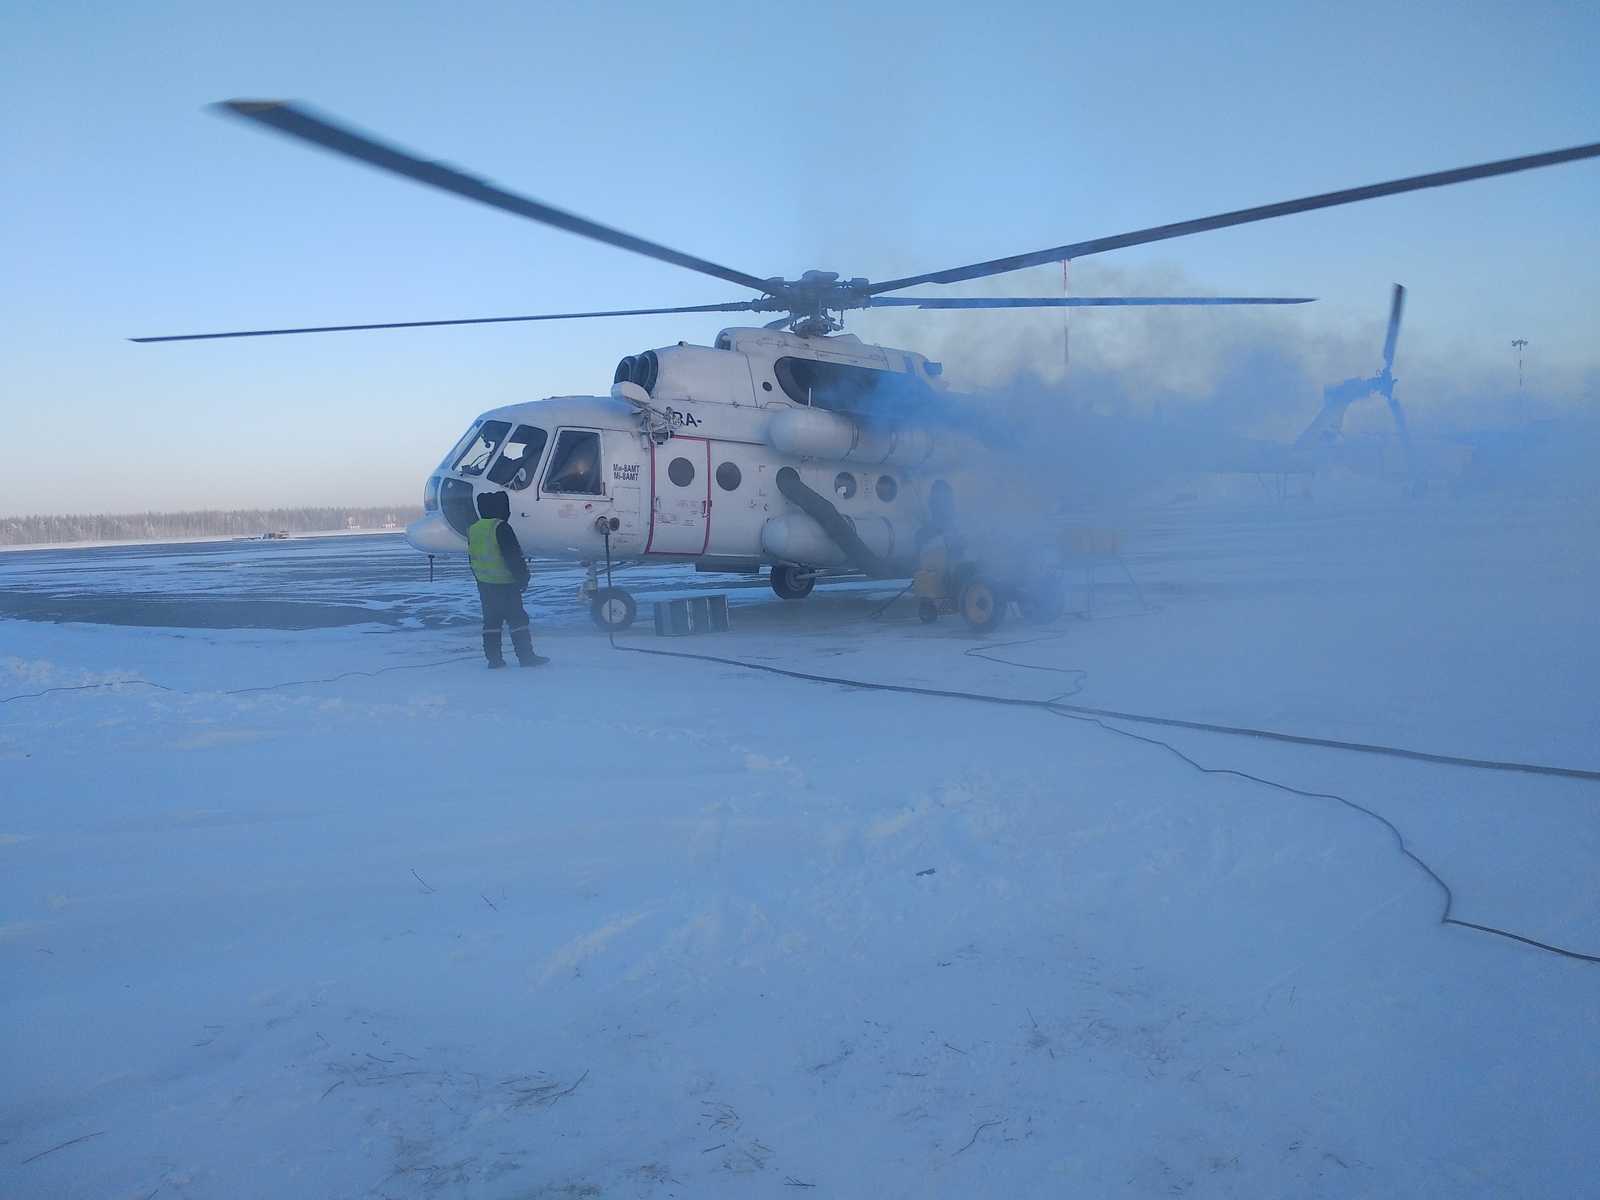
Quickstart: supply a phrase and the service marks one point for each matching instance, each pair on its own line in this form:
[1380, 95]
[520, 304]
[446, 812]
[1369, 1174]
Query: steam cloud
[1154, 392]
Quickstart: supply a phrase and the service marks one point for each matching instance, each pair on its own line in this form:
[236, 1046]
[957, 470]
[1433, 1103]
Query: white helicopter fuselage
[681, 461]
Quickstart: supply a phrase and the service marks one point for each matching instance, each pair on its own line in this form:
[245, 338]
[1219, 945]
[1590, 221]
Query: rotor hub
[812, 300]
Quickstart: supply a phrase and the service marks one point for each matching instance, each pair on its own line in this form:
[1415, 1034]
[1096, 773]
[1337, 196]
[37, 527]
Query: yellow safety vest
[483, 547]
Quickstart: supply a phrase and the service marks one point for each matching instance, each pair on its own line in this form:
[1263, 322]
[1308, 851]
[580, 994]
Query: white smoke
[1152, 391]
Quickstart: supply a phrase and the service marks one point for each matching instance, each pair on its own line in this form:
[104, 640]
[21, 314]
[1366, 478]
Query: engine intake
[641, 369]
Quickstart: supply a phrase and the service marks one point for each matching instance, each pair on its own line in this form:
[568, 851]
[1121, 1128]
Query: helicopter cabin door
[680, 515]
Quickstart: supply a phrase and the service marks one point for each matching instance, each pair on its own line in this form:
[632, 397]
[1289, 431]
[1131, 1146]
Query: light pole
[1519, 344]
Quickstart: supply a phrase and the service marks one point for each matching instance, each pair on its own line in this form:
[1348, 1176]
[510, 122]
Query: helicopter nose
[434, 535]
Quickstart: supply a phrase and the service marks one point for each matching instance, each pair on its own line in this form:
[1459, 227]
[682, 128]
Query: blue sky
[872, 139]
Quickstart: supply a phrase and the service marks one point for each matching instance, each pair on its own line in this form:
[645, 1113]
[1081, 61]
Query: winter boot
[522, 643]
[491, 650]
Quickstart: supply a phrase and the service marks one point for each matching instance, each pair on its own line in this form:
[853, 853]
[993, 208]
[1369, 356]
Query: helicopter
[1415, 461]
[792, 447]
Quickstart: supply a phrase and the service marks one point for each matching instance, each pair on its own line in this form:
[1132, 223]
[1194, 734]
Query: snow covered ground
[333, 911]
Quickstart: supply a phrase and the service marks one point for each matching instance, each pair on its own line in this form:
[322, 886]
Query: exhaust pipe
[821, 510]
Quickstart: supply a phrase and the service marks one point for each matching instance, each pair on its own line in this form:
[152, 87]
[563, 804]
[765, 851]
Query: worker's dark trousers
[502, 605]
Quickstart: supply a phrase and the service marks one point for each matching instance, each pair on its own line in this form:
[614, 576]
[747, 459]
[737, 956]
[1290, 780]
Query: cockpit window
[575, 463]
[480, 449]
[520, 458]
[455, 501]
[460, 447]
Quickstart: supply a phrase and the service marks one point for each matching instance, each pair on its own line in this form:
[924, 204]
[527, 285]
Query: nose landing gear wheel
[792, 583]
[980, 606]
[613, 609]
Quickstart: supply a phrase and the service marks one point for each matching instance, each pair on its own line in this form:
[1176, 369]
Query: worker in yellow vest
[502, 574]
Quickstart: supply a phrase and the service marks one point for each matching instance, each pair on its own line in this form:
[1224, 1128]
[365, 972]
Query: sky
[870, 139]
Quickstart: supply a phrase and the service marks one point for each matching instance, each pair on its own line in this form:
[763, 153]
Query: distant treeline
[244, 522]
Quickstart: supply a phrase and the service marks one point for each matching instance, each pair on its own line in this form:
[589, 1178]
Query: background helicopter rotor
[1339, 396]
[1383, 385]
[809, 300]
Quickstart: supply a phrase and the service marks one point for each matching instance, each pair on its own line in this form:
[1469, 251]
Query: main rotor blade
[1394, 327]
[1243, 216]
[1070, 301]
[738, 306]
[300, 123]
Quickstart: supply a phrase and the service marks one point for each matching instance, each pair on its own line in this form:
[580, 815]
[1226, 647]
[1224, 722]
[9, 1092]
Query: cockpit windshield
[480, 447]
[460, 447]
[519, 460]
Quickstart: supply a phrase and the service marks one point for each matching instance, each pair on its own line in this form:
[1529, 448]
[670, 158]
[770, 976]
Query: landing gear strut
[611, 608]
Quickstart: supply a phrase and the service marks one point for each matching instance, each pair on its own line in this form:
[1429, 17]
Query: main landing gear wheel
[980, 606]
[613, 609]
[792, 583]
[928, 611]
[1044, 605]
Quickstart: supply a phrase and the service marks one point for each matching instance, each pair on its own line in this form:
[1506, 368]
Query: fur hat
[494, 505]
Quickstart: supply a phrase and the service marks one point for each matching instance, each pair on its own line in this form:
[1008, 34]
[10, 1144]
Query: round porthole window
[681, 472]
[728, 476]
[844, 485]
[887, 488]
